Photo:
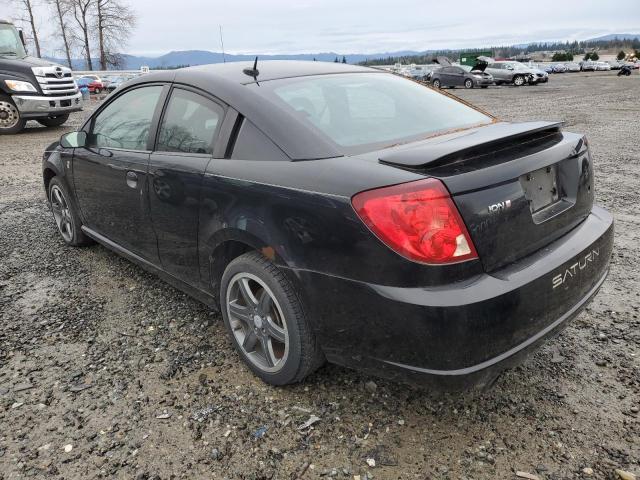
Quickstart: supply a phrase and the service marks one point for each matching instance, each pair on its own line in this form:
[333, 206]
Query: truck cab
[32, 88]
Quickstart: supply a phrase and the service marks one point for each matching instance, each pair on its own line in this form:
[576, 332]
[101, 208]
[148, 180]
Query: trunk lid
[518, 187]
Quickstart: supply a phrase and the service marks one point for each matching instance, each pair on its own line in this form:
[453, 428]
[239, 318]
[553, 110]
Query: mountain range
[202, 57]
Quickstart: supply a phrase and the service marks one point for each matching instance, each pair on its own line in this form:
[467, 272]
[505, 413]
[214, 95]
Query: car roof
[228, 82]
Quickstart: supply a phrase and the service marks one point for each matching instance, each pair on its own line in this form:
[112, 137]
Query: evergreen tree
[621, 55]
[336, 60]
[344, 59]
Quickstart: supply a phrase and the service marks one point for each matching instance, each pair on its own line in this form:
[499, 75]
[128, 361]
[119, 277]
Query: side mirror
[74, 140]
[21, 35]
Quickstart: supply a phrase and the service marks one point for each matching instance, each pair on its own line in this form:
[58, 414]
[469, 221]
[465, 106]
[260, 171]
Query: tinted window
[362, 111]
[252, 144]
[190, 124]
[126, 121]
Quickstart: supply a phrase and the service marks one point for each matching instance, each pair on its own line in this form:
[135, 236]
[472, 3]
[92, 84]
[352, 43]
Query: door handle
[132, 179]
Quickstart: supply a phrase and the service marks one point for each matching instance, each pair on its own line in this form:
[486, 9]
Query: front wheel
[468, 83]
[55, 121]
[267, 322]
[65, 215]
[518, 80]
[436, 83]
[10, 119]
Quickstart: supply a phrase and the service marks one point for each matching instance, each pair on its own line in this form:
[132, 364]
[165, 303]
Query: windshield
[366, 111]
[10, 43]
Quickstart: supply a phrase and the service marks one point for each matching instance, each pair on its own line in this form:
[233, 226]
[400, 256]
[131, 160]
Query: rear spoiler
[465, 144]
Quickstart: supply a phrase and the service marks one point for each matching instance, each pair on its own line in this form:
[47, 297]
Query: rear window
[365, 111]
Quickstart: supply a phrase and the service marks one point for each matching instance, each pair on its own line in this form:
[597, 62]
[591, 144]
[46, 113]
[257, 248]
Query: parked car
[559, 68]
[511, 72]
[96, 84]
[541, 76]
[115, 82]
[602, 66]
[460, 76]
[587, 66]
[336, 212]
[615, 64]
[573, 67]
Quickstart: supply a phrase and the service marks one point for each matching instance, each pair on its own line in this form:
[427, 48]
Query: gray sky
[361, 26]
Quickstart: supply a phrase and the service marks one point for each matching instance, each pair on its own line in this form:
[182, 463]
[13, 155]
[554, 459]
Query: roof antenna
[224, 60]
[252, 72]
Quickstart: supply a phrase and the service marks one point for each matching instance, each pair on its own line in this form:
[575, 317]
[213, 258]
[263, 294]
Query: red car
[93, 83]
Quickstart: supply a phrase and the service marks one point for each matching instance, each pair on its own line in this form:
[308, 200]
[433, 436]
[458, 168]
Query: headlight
[19, 86]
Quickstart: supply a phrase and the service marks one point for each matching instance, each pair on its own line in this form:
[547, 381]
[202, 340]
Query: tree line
[570, 48]
[97, 30]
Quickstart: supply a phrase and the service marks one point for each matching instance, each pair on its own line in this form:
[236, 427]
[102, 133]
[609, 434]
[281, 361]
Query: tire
[436, 83]
[65, 214]
[10, 119]
[279, 345]
[55, 121]
[468, 83]
[518, 80]
[97, 91]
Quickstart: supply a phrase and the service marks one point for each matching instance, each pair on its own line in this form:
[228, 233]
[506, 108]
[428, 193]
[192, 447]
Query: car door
[445, 76]
[110, 173]
[185, 144]
[457, 76]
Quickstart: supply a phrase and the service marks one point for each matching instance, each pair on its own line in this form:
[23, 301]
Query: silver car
[511, 72]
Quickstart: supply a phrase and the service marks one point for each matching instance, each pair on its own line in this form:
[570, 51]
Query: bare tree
[62, 8]
[114, 23]
[26, 7]
[82, 15]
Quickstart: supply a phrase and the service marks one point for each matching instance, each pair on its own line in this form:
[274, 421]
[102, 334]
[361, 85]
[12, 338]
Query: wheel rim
[257, 322]
[9, 115]
[468, 84]
[61, 213]
[436, 84]
[518, 81]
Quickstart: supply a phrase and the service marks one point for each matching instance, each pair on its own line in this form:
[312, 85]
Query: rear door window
[190, 123]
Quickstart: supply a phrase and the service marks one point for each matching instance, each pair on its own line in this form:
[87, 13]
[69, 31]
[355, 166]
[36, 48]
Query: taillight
[418, 220]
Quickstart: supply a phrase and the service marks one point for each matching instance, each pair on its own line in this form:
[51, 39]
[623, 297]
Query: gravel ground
[107, 372]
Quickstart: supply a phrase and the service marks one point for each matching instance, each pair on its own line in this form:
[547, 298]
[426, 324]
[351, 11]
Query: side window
[125, 122]
[252, 144]
[190, 123]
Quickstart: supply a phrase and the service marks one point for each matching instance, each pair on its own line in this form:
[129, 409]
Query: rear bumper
[47, 106]
[464, 334]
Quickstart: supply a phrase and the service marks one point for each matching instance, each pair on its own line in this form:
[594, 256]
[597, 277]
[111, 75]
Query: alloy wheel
[257, 322]
[9, 115]
[61, 213]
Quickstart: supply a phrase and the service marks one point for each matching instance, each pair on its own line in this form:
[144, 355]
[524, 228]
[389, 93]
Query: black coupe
[340, 213]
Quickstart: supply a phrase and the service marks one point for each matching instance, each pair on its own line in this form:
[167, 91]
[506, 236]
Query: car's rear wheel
[436, 83]
[518, 80]
[54, 121]
[267, 322]
[10, 119]
[468, 83]
[65, 215]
